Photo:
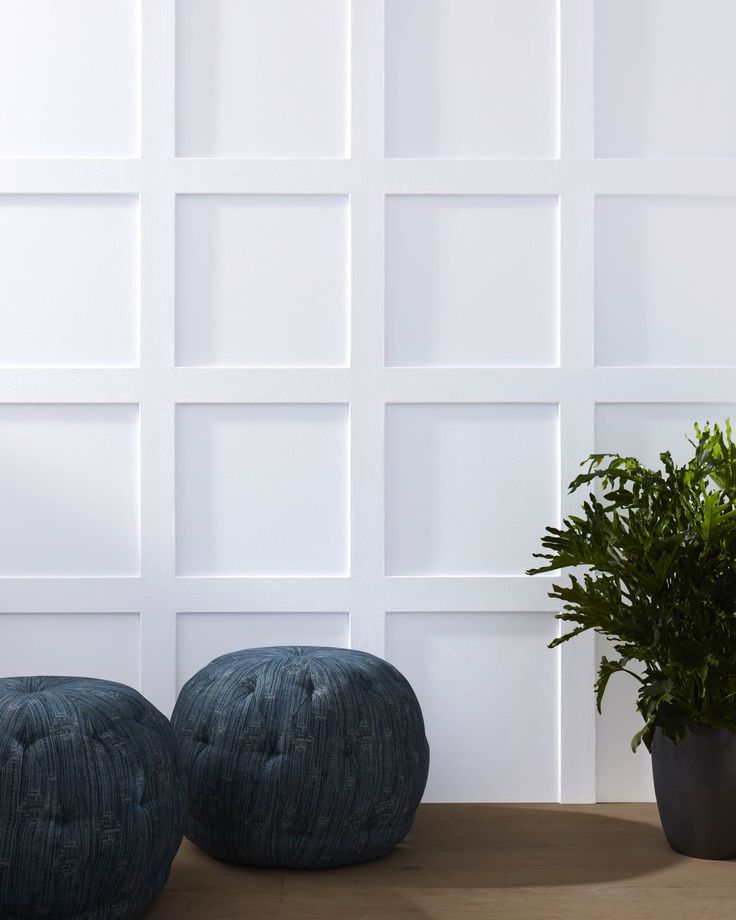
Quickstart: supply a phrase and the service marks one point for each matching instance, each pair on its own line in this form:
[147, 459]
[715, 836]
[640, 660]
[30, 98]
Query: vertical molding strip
[367, 607]
[158, 617]
[577, 406]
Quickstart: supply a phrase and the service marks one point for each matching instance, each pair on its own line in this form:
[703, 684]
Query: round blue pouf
[300, 757]
[91, 800]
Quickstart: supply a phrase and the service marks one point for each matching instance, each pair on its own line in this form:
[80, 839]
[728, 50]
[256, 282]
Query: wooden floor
[516, 862]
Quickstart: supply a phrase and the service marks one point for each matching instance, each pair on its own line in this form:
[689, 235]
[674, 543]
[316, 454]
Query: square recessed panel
[471, 280]
[644, 430]
[664, 73]
[469, 488]
[471, 78]
[621, 775]
[262, 490]
[69, 490]
[665, 281]
[69, 76]
[200, 637]
[262, 79]
[488, 688]
[262, 280]
[104, 645]
[68, 280]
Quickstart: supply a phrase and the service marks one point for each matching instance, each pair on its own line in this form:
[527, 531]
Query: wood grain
[517, 862]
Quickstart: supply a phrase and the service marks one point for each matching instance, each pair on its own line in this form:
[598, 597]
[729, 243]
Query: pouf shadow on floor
[301, 757]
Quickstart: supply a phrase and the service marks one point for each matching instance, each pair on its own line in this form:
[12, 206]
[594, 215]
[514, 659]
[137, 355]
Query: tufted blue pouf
[91, 800]
[300, 757]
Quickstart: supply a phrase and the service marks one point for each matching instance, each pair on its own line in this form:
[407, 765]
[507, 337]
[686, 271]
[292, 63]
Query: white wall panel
[644, 431]
[69, 78]
[488, 687]
[471, 280]
[262, 79]
[664, 72]
[469, 488]
[104, 645]
[621, 774]
[69, 490]
[69, 280]
[200, 637]
[391, 256]
[262, 490]
[262, 280]
[665, 280]
[471, 78]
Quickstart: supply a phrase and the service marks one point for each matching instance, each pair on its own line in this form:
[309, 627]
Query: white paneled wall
[643, 430]
[203, 636]
[262, 280]
[262, 79]
[80, 307]
[70, 78]
[455, 474]
[309, 310]
[457, 266]
[665, 281]
[664, 69]
[471, 78]
[69, 489]
[262, 489]
[102, 645]
[487, 683]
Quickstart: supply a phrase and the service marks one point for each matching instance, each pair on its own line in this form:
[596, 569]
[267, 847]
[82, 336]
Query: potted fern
[657, 549]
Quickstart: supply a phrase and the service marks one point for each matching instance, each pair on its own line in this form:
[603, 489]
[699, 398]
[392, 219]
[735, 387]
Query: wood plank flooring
[516, 862]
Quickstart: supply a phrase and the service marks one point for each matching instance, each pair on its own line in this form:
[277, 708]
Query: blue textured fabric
[300, 757]
[91, 800]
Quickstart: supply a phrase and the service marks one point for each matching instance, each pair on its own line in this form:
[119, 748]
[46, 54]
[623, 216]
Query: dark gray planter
[695, 782]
